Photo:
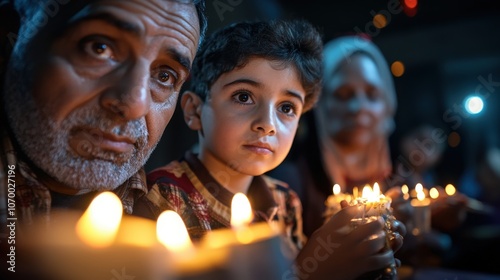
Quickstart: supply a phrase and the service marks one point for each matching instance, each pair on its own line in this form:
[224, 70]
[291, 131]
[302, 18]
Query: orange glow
[397, 68]
[380, 21]
[412, 4]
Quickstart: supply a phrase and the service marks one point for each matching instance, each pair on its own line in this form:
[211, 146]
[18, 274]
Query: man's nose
[129, 95]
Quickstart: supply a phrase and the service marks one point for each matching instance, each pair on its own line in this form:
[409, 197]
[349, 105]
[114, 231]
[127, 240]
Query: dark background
[449, 48]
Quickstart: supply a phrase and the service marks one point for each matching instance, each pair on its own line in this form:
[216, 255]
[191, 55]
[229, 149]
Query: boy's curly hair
[295, 43]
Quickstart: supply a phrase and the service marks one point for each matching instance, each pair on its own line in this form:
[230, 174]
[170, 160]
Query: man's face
[104, 91]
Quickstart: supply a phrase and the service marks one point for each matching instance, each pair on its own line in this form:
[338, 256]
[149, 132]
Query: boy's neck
[226, 176]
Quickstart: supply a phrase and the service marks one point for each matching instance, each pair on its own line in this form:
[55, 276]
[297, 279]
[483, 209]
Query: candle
[421, 214]
[406, 192]
[375, 205]
[332, 202]
[255, 250]
[450, 189]
[100, 244]
[189, 261]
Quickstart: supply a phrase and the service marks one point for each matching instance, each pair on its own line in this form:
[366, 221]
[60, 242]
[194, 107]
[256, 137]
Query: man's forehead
[40, 11]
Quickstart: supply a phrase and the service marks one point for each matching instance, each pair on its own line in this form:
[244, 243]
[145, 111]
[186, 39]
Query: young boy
[251, 83]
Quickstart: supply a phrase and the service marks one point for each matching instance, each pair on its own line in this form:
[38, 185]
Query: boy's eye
[243, 97]
[287, 108]
[99, 50]
[290, 109]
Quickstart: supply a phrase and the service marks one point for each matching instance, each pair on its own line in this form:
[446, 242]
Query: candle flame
[419, 187]
[405, 189]
[241, 211]
[450, 189]
[336, 189]
[434, 193]
[172, 233]
[376, 190]
[420, 195]
[99, 224]
[355, 192]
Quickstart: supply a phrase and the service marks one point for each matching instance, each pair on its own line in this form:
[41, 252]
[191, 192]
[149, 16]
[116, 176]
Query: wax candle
[406, 192]
[255, 250]
[376, 205]
[100, 244]
[421, 214]
[190, 261]
[332, 203]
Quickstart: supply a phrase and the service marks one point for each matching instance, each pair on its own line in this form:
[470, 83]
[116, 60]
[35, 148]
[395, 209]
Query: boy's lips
[260, 148]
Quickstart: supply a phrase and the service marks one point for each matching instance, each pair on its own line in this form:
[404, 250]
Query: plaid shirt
[23, 196]
[186, 187]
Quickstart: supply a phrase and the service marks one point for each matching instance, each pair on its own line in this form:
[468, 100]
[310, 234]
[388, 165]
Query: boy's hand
[339, 251]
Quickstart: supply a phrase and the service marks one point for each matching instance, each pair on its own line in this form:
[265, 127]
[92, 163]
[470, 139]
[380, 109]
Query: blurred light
[450, 189]
[453, 139]
[410, 7]
[380, 21]
[433, 193]
[397, 68]
[411, 4]
[473, 105]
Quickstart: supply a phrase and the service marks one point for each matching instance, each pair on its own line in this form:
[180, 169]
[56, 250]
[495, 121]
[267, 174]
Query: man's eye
[165, 77]
[99, 50]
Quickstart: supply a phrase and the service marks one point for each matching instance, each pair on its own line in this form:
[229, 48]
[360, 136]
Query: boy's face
[250, 117]
[104, 90]
[353, 107]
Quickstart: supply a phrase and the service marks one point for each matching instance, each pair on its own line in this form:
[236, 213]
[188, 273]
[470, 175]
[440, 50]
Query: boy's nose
[265, 121]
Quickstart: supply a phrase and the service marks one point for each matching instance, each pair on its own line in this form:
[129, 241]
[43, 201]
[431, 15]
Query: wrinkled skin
[99, 95]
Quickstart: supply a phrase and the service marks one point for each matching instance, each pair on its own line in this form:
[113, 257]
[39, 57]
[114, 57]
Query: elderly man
[89, 88]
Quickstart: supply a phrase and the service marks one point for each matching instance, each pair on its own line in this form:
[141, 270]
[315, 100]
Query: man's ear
[191, 107]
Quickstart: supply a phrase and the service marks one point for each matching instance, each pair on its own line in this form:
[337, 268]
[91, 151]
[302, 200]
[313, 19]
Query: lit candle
[189, 261]
[450, 189]
[421, 214]
[434, 193]
[376, 205]
[332, 202]
[406, 192]
[255, 249]
[100, 244]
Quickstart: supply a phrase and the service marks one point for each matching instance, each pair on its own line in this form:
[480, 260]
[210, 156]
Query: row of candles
[420, 199]
[103, 244]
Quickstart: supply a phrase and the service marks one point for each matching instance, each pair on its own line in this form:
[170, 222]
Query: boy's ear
[191, 107]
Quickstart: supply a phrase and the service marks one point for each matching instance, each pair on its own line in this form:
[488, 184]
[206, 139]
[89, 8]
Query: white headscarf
[375, 161]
